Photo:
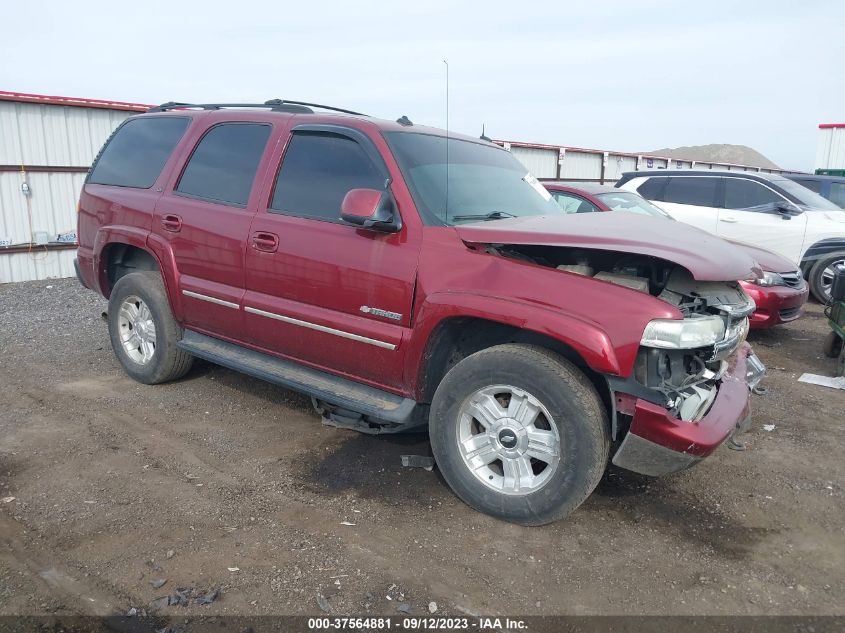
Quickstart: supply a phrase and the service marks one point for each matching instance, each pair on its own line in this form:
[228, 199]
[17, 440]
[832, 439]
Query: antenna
[447, 141]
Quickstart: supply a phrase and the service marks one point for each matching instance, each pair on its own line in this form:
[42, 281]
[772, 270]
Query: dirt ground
[223, 481]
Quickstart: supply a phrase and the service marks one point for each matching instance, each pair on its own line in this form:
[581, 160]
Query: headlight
[685, 334]
[770, 279]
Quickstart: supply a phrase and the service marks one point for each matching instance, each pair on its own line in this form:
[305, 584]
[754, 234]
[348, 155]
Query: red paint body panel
[770, 300]
[706, 256]
[775, 304]
[701, 438]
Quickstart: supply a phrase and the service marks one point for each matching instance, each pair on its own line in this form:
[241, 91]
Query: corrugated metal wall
[830, 153]
[41, 136]
[37, 134]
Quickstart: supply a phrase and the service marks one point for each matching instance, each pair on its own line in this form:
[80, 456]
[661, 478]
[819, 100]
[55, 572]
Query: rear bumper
[775, 304]
[658, 443]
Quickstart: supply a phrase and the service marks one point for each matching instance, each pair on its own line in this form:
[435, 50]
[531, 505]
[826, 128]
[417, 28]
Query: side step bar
[378, 406]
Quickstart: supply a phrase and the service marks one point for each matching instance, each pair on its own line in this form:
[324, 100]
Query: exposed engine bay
[687, 375]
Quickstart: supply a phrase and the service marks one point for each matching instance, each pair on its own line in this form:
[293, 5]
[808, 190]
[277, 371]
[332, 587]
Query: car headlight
[684, 334]
[769, 279]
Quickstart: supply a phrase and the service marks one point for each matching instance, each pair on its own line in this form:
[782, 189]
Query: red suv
[403, 276]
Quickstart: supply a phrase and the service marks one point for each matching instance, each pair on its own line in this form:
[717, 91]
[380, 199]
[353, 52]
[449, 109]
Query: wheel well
[122, 259]
[456, 338]
[819, 250]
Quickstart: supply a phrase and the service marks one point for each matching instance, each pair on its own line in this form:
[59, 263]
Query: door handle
[172, 223]
[265, 242]
[729, 220]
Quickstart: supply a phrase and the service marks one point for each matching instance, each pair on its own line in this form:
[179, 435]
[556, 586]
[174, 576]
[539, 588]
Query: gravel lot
[222, 481]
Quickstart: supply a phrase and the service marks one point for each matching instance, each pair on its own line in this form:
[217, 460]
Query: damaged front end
[688, 391]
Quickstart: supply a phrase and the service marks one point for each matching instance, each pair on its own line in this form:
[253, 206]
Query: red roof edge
[827, 126]
[25, 97]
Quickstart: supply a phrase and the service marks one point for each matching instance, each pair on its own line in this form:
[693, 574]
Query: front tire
[821, 275]
[519, 433]
[143, 331]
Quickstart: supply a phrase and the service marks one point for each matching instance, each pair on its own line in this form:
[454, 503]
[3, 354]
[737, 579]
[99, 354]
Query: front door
[749, 216]
[205, 216]
[317, 289]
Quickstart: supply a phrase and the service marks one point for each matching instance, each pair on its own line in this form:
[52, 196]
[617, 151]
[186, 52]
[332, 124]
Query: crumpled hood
[768, 260]
[707, 257]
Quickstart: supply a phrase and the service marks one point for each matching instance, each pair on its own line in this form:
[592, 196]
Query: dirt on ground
[222, 482]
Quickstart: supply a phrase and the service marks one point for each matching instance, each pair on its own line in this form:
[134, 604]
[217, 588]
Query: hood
[704, 255]
[768, 260]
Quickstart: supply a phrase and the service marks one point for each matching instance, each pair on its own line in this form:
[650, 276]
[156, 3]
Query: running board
[375, 404]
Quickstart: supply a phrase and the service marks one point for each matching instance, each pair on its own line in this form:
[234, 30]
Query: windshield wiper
[493, 215]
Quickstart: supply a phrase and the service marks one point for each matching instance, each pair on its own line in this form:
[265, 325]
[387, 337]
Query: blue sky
[627, 76]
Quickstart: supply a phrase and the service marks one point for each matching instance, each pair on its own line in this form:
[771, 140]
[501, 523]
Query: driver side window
[742, 194]
[318, 170]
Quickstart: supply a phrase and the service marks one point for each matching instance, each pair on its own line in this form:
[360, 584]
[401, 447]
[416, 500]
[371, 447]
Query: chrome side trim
[220, 302]
[321, 328]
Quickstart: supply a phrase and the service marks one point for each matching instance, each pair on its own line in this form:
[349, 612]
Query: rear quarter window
[653, 188]
[137, 152]
[837, 194]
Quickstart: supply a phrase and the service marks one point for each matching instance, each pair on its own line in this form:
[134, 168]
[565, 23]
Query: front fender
[588, 339]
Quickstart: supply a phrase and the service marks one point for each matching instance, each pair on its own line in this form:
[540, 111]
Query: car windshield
[458, 181]
[632, 203]
[806, 198]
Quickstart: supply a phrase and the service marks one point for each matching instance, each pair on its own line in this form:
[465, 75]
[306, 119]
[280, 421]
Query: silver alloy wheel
[827, 276]
[508, 440]
[137, 330]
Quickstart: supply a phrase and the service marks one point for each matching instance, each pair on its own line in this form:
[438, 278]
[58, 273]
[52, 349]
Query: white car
[761, 209]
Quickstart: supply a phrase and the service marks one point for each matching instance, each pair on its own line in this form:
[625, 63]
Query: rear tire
[821, 275]
[519, 433]
[143, 331]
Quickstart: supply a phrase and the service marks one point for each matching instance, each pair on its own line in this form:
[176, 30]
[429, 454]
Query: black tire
[577, 412]
[814, 279]
[168, 362]
[832, 345]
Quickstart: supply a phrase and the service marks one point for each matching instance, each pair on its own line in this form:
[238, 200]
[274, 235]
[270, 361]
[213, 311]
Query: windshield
[805, 198]
[632, 203]
[484, 182]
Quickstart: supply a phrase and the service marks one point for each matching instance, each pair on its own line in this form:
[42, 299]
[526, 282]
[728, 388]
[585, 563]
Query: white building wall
[542, 163]
[45, 135]
[830, 153]
[581, 165]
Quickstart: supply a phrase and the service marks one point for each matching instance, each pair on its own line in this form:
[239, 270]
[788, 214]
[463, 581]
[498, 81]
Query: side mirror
[371, 209]
[787, 210]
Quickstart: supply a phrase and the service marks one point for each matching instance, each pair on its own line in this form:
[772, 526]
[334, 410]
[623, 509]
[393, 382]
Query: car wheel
[519, 433]
[143, 331]
[832, 345]
[821, 275]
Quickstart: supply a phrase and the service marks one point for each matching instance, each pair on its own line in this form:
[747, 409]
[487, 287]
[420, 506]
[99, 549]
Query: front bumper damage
[658, 443]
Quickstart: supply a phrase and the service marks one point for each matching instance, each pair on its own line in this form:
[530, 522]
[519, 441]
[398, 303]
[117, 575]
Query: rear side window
[223, 165]
[837, 194]
[691, 190]
[136, 154]
[318, 170]
[742, 194]
[812, 185]
[652, 189]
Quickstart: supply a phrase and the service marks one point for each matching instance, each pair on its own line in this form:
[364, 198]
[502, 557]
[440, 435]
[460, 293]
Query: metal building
[559, 162]
[830, 155]
[47, 145]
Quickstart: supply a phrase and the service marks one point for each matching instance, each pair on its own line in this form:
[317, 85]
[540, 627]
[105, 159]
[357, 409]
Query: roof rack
[275, 105]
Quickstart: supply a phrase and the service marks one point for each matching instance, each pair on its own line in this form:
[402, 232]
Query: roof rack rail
[275, 105]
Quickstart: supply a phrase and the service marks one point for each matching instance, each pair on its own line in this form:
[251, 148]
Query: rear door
[692, 200]
[748, 216]
[205, 216]
[317, 289]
